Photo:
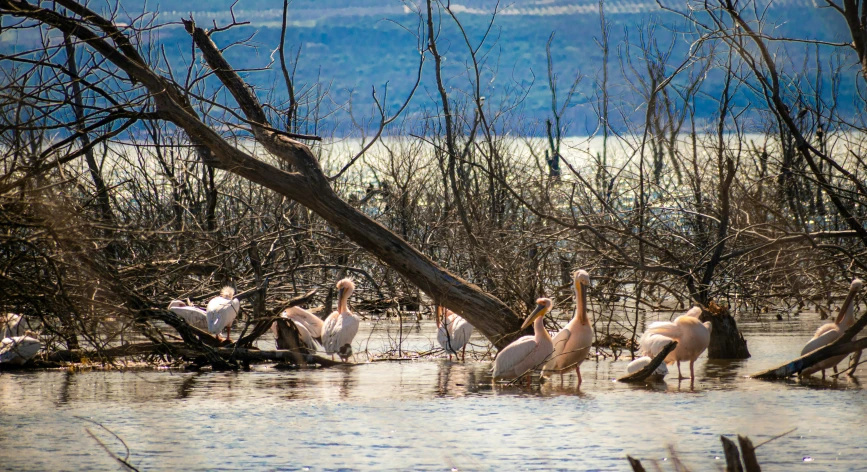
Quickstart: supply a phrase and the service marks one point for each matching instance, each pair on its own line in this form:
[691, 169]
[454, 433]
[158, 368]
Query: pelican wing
[560, 340]
[312, 322]
[193, 315]
[513, 355]
[306, 336]
[823, 337]
[655, 339]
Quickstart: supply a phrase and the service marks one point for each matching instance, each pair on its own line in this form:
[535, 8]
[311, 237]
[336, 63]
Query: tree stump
[726, 340]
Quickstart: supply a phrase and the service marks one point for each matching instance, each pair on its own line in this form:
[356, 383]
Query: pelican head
[582, 281]
[581, 277]
[846, 316]
[345, 288]
[227, 292]
[543, 306]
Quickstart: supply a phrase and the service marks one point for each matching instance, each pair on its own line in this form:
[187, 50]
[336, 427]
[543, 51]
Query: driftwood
[255, 355]
[732, 455]
[647, 371]
[748, 451]
[305, 182]
[842, 346]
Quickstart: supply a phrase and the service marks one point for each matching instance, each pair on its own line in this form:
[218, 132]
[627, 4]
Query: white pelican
[340, 327]
[222, 311]
[527, 352]
[453, 332]
[10, 325]
[309, 326]
[639, 364]
[692, 338]
[829, 332]
[19, 349]
[193, 315]
[572, 343]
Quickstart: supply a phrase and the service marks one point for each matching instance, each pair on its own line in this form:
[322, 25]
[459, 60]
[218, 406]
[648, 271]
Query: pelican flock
[453, 332]
[222, 311]
[527, 352]
[829, 332]
[692, 338]
[341, 326]
[573, 343]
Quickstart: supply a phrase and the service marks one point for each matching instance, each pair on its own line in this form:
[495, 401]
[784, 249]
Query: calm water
[431, 415]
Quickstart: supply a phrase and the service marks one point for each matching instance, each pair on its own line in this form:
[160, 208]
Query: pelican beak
[583, 302]
[340, 294]
[539, 311]
[844, 308]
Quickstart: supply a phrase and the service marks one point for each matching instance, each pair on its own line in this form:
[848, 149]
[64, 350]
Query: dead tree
[306, 183]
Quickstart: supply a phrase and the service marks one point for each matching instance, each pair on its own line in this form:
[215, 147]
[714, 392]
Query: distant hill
[358, 44]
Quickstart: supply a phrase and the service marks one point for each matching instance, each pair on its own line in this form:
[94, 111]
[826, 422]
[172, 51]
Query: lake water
[431, 415]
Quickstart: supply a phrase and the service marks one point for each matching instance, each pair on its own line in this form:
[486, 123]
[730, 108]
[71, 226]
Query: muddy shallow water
[432, 415]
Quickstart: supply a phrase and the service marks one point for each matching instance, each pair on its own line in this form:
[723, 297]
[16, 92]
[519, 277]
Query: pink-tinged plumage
[573, 343]
[692, 337]
[528, 352]
[222, 311]
[193, 315]
[830, 332]
[453, 332]
[341, 326]
[309, 326]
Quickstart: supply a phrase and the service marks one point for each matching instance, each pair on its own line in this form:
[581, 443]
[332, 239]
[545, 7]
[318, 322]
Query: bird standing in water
[573, 343]
[527, 352]
[341, 326]
[453, 332]
[692, 337]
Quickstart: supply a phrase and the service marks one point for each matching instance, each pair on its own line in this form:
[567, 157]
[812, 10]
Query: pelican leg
[464, 353]
[578, 372]
[679, 375]
[823, 374]
[692, 370]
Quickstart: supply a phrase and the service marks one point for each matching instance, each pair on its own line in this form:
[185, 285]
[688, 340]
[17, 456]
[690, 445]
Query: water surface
[430, 415]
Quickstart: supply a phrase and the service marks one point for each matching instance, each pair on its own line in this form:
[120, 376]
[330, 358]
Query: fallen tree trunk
[306, 183]
[647, 371]
[842, 346]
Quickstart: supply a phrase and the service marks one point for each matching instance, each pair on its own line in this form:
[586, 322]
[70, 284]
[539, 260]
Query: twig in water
[125, 460]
